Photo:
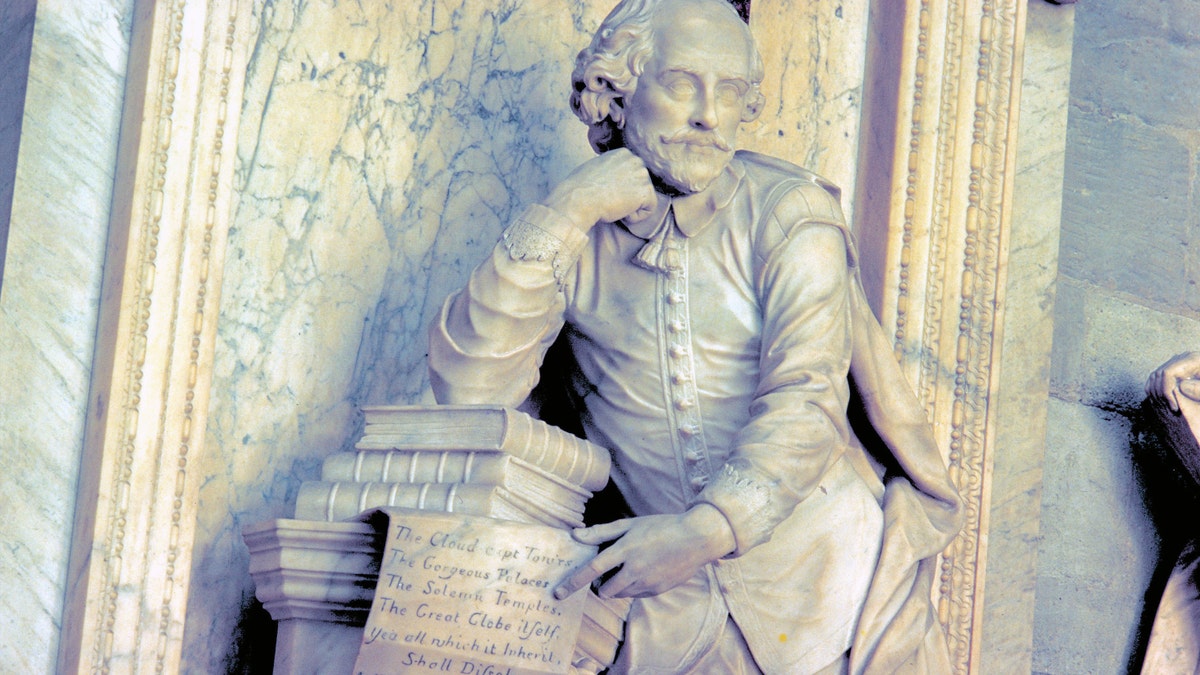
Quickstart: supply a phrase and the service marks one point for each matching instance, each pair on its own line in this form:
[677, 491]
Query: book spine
[340, 500]
[517, 438]
[415, 466]
[573, 459]
[565, 455]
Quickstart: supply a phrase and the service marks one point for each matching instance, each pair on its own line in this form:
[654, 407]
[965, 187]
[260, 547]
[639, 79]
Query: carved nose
[705, 116]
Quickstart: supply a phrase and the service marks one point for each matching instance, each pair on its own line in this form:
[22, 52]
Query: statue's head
[672, 80]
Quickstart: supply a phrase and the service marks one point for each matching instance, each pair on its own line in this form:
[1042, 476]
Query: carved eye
[681, 86]
[729, 94]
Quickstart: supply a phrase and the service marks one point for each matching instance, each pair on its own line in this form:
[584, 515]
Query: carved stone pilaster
[948, 117]
[135, 515]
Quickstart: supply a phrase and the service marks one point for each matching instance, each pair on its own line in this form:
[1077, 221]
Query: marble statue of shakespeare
[712, 308]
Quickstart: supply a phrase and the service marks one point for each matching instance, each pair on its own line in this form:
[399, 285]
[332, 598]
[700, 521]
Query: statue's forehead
[702, 44]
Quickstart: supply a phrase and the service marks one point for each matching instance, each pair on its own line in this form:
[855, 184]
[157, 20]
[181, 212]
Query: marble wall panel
[1021, 398]
[383, 148]
[814, 54]
[16, 40]
[48, 307]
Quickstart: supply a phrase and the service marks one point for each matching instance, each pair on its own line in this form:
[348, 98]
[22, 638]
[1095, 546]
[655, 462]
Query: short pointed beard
[687, 161]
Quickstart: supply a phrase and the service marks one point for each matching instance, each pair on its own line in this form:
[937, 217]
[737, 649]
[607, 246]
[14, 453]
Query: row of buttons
[682, 385]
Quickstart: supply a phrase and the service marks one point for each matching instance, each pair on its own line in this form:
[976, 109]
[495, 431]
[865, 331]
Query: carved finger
[1182, 366]
[585, 575]
[1152, 385]
[619, 585]
[1173, 395]
[598, 534]
[1190, 388]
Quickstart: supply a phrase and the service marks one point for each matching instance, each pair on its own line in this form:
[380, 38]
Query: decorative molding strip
[986, 227]
[946, 243]
[136, 505]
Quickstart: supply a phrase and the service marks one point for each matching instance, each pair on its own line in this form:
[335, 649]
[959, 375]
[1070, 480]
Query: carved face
[682, 119]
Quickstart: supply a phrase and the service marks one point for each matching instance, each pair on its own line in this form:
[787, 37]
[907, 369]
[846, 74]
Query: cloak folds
[898, 630]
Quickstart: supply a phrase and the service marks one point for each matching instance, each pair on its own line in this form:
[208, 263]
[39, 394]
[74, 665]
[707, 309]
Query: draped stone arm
[1174, 392]
[489, 340]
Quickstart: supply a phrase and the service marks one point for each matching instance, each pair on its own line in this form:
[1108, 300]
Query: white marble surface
[305, 647]
[382, 150]
[1024, 387]
[48, 306]
[815, 59]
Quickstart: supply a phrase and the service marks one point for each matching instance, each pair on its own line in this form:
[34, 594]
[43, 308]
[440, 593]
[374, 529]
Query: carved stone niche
[933, 192]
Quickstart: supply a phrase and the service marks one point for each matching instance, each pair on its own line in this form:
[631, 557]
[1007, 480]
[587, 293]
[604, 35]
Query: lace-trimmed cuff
[745, 499]
[541, 234]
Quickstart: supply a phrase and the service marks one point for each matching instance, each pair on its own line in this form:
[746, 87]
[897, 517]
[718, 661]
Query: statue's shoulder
[788, 197]
[791, 198]
[769, 171]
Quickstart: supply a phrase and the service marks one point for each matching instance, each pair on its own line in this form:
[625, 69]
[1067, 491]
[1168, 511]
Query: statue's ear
[616, 111]
[753, 108]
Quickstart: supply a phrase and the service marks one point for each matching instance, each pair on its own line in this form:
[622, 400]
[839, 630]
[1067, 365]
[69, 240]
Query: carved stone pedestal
[317, 580]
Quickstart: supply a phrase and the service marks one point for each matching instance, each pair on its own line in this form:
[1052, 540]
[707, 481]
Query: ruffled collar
[692, 213]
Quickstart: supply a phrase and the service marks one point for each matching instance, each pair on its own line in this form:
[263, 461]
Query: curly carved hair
[607, 71]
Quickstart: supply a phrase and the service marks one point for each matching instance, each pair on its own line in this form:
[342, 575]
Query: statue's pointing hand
[654, 553]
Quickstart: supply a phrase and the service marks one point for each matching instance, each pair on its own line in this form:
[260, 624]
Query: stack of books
[474, 460]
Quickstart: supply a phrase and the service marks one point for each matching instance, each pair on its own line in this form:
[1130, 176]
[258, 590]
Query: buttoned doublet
[713, 341]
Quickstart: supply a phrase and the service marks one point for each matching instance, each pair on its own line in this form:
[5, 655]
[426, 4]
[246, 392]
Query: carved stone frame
[136, 504]
[938, 130]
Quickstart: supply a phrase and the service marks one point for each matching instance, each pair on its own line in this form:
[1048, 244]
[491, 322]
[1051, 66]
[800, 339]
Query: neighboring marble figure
[711, 304]
[1174, 392]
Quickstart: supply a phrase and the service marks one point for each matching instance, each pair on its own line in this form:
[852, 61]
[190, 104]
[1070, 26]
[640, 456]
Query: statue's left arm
[797, 427]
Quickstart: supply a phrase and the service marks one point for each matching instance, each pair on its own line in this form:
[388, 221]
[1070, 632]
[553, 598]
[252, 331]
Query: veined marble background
[49, 301]
[814, 54]
[383, 148]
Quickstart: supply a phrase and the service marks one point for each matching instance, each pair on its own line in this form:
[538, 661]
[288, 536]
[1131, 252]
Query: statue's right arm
[488, 342]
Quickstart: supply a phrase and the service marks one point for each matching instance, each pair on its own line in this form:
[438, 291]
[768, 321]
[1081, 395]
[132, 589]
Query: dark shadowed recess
[743, 9]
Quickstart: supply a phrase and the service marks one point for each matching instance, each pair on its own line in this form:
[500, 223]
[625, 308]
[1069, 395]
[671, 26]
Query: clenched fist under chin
[606, 188]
